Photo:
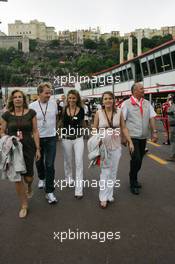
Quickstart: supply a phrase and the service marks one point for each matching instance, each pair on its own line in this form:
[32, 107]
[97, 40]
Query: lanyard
[44, 114]
[110, 122]
[19, 121]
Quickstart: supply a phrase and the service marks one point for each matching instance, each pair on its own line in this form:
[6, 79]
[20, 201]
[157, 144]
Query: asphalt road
[146, 222]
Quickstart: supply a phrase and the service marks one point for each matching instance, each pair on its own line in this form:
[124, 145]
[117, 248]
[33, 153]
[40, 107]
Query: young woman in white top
[111, 121]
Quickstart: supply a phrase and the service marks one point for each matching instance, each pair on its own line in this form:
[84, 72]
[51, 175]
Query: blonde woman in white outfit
[112, 121]
[72, 140]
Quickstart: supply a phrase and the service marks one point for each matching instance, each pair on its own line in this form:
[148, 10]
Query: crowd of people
[37, 125]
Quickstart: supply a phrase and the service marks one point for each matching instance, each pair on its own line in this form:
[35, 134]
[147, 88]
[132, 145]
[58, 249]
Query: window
[159, 64]
[152, 66]
[121, 76]
[173, 58]
[85, 86]
[110, 79]
[138, 74]
[130, 74]
[167, 62]
[116, 77]
[125, 75]
[106, 80]
[89, 86]
[145, 69]
[19, 45]
[97, 84]
[94, 85]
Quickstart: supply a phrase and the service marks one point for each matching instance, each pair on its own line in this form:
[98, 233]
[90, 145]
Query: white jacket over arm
[12, 163]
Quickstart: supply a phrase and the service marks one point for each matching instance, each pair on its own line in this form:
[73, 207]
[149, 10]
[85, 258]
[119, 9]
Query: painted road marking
[159, 160]
[154, 144]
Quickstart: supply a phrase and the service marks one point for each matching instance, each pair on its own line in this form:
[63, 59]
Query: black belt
[72, 137]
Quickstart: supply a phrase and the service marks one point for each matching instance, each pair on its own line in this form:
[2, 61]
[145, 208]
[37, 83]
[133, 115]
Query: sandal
[23, 212]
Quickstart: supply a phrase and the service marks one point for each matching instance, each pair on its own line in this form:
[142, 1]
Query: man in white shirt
[47, 111]
[139, 115]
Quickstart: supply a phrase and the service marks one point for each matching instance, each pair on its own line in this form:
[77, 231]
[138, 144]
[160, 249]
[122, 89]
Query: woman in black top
[21, 122]
[72, 139]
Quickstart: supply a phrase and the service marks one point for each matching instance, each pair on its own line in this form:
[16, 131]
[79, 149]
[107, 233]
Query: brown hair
[113, 97]
[76, 93]
[10, 104]
[41, 87]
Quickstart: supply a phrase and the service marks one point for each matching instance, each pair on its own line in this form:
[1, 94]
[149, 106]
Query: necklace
[72, 116]
[19, 124]
[110, 122]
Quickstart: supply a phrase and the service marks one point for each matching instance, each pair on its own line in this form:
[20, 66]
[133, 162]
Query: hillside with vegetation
[48, 59]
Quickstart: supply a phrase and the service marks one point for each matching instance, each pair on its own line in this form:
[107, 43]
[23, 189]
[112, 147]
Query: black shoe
[134, 190]
[138, 185]
[166, 143]
[78, 197]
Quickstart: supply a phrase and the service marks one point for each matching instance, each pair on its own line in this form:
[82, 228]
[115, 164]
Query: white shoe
[51, 198]
[41, 184]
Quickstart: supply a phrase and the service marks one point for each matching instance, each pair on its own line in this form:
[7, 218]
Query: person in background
[165, 107]
[21, 122]
[85, 112]
[171, 115]
[89, 112]
[99, 106]
[47, 111]
[63, 101]
[60, 108]
[86, 118]
[139, 115]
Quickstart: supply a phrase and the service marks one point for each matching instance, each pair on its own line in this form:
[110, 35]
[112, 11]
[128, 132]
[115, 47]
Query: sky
[124, 16]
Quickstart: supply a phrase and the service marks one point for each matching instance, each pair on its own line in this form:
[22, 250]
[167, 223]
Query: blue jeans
[45, 166]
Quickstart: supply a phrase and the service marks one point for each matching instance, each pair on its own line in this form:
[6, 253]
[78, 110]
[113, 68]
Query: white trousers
[76, 145]
[108, 176]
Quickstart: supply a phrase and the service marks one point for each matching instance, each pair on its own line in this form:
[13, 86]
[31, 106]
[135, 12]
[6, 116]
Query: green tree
[32, 44]
[87, 64]
[54, 43]
[90, 44]
[17, 80]
[113, 40]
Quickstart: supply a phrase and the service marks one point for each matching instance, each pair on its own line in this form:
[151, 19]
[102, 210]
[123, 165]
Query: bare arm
[3, 127]
[153, 129]
[96, 121]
